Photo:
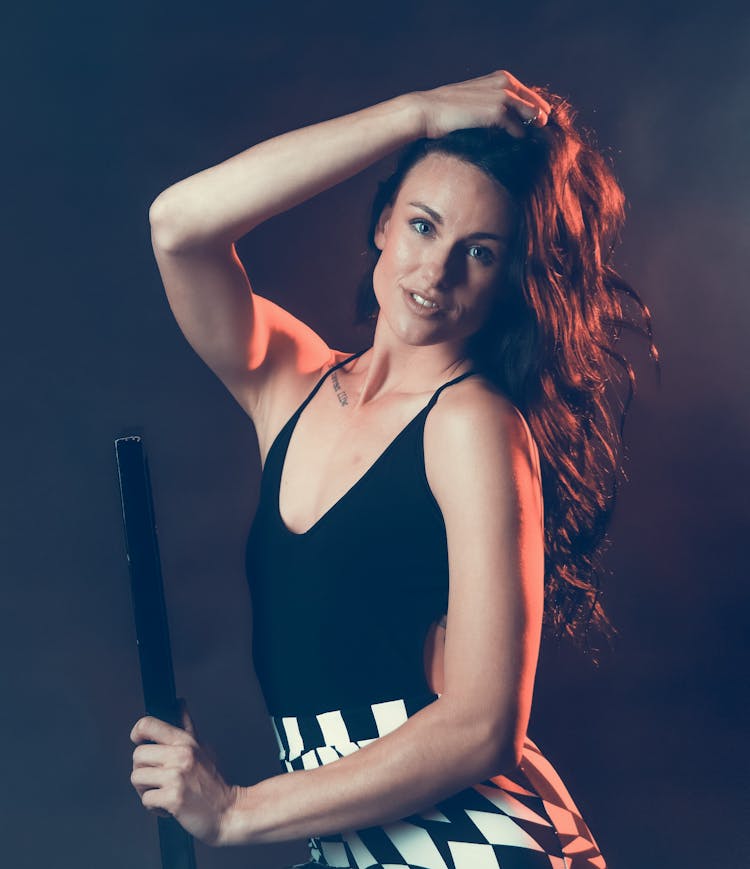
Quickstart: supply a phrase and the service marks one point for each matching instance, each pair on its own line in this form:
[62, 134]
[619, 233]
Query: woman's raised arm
[250, 343]
[255, 347]
[224, 202]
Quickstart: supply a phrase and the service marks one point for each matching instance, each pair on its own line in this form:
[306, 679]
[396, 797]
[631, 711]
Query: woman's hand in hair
[497, 99]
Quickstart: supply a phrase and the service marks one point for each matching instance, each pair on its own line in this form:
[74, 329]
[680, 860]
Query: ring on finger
[531, 120]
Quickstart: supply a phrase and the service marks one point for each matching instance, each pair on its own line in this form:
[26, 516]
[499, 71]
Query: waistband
[343, 730]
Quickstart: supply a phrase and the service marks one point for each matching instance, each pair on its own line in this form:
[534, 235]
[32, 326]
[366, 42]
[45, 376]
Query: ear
[382, 227]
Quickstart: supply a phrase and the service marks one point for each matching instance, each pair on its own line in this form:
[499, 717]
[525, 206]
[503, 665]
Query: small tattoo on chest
[339, 390]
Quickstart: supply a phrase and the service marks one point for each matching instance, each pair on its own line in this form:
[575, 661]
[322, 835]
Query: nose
[438, 268]
[433, 274]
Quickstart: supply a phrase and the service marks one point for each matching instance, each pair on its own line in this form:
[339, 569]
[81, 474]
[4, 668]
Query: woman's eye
[421, 223]
[482, 254]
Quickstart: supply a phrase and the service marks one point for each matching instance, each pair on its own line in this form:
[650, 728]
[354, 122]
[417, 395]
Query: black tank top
[341, 612]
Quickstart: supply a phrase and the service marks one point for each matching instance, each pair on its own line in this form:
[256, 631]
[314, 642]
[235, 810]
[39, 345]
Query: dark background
[108, 104]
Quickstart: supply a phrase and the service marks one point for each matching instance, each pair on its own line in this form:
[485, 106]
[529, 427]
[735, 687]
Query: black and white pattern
[524, 821]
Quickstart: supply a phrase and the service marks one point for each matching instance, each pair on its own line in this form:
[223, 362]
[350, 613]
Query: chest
[331, 450]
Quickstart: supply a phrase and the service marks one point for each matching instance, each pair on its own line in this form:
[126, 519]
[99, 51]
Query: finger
[542, 112]
[159, 799]
[526, 93]
[523, 108]
[536, 100]
[160, 813]
[510, 121]
[145, 778]
[151, 754]
[166, 757]
[155, 730]
[148, 779]
[530, 113]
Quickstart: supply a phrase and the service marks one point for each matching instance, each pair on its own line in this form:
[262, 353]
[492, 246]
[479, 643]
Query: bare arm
[493, 509]
[224, 202]
[249, 342]
[254, 346]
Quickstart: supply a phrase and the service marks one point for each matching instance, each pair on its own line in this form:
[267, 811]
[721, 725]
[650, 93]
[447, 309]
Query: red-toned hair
[552, 341]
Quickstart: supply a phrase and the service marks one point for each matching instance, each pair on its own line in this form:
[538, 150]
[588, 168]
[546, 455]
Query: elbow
[496, 745]
[513, 756]
[503, 752]
[174, 228]
[505, 758]
[158, 210]
[163, 218]
[161, 221]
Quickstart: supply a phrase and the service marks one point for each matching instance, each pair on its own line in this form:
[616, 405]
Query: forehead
[459, 191]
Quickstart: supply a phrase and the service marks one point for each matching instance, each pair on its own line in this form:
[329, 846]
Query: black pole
[151, 627]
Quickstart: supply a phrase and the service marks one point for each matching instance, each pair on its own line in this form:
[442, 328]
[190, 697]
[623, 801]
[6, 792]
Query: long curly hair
[551, 340]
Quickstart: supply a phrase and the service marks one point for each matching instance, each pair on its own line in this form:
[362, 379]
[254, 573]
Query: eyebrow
[438, 219]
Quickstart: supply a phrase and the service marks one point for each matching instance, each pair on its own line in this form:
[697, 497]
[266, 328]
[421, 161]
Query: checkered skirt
[523, 820]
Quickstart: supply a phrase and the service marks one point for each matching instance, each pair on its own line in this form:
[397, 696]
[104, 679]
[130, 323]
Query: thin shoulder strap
[437, 392]
[320, 381]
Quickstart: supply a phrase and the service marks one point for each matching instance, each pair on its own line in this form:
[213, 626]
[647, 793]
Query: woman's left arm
[483, 469]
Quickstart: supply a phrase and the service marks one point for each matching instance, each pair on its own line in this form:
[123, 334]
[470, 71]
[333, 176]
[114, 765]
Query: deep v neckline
[292, 425]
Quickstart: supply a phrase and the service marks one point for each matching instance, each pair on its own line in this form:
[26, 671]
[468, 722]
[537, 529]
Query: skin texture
[329, 451]
[491, 499]
[437, 249]
[433, 655]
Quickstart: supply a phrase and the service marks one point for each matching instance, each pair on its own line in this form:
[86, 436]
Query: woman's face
[445, 238]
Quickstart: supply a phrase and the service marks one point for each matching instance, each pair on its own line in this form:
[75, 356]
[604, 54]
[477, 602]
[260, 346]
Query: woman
[412, 490]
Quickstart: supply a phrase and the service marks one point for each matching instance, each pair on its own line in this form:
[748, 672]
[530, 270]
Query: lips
[426, 297]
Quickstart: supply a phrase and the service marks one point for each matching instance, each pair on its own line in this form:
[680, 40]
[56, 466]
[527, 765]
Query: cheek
[401, 250]
[395, 259]
[491, 299]
[485, 294]
[381, 277]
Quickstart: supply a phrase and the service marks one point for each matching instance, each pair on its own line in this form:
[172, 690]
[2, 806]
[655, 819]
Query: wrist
[411, 106]
[235, 826]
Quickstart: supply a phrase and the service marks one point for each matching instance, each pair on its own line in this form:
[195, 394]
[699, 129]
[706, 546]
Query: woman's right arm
[250, 343]
[254, 346]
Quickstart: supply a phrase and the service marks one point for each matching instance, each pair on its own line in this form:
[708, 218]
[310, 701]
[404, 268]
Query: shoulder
[474, 415]
[294, 384]
[295, 370]
[337, 356]
[476, 440]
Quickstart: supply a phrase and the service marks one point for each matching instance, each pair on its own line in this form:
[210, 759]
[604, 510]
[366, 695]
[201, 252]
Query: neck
[390, 366]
